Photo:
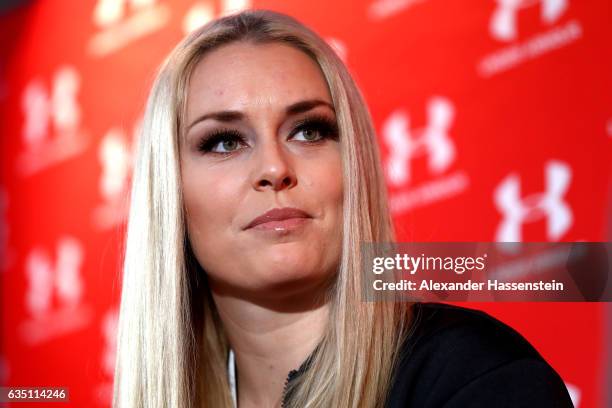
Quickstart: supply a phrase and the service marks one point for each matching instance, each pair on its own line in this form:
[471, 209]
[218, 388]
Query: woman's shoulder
[460, 357]
[452, 328]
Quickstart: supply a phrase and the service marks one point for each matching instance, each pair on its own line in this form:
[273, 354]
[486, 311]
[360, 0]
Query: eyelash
[327, 129]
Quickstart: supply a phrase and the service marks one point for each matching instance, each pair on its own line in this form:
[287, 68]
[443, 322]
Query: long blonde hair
[171, 348]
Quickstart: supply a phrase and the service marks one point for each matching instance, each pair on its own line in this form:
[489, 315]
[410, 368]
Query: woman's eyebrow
[305, 106]
[293, 109]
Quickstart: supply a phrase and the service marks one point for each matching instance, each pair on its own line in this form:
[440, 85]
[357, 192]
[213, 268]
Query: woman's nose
[273, 167]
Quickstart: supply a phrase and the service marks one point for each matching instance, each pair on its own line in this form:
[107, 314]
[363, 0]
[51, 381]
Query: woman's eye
[222, 142]
[309, 134]
[316, 129]
[227, 145]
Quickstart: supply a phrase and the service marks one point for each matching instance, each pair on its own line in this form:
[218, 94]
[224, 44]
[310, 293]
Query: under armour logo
[52, 112]
[381, 9]
[109, 12]
[116, 159]
[109, 331]
[60, 109]
[54, 296]
[116, 153]
[503, 22]
[405, 144]
[104, 390]
[45, 278]
[549, 205]
[201, 13]
[122, 22]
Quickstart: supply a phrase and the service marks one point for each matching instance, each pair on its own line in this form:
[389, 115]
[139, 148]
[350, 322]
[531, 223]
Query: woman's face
[261, 135]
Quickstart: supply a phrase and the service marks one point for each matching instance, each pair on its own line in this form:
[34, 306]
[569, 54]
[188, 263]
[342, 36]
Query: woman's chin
[288, 280]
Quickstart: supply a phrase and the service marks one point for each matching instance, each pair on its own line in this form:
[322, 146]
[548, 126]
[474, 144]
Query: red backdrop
[499, 115]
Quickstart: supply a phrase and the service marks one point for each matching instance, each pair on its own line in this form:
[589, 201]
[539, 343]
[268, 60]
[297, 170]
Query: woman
[258, 176]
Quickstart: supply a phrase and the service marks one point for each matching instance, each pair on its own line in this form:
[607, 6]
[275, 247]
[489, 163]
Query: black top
[457, 357]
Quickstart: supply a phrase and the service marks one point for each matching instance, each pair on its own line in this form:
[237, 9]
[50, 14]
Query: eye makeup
[325, 127]
[212, 139]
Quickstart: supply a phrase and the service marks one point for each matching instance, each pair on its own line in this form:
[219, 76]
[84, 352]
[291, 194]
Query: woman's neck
[268, 343]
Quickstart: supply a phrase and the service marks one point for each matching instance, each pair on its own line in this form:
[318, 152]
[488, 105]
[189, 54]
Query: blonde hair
[171, 348]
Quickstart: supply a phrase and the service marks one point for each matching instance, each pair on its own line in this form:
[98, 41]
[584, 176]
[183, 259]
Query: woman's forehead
[243, 76]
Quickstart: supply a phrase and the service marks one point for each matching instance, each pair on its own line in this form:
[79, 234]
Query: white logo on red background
[109, 333]
[54, 294]
[549, 205]
[116, 156]
[381, 9]
[51, 130]
[504, 26]
[434, 143]
[122, 22]
[203, 12]
[503, 23]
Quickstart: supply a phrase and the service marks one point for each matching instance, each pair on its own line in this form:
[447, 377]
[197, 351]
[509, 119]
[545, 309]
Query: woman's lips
[284, 218]
[288, 224]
